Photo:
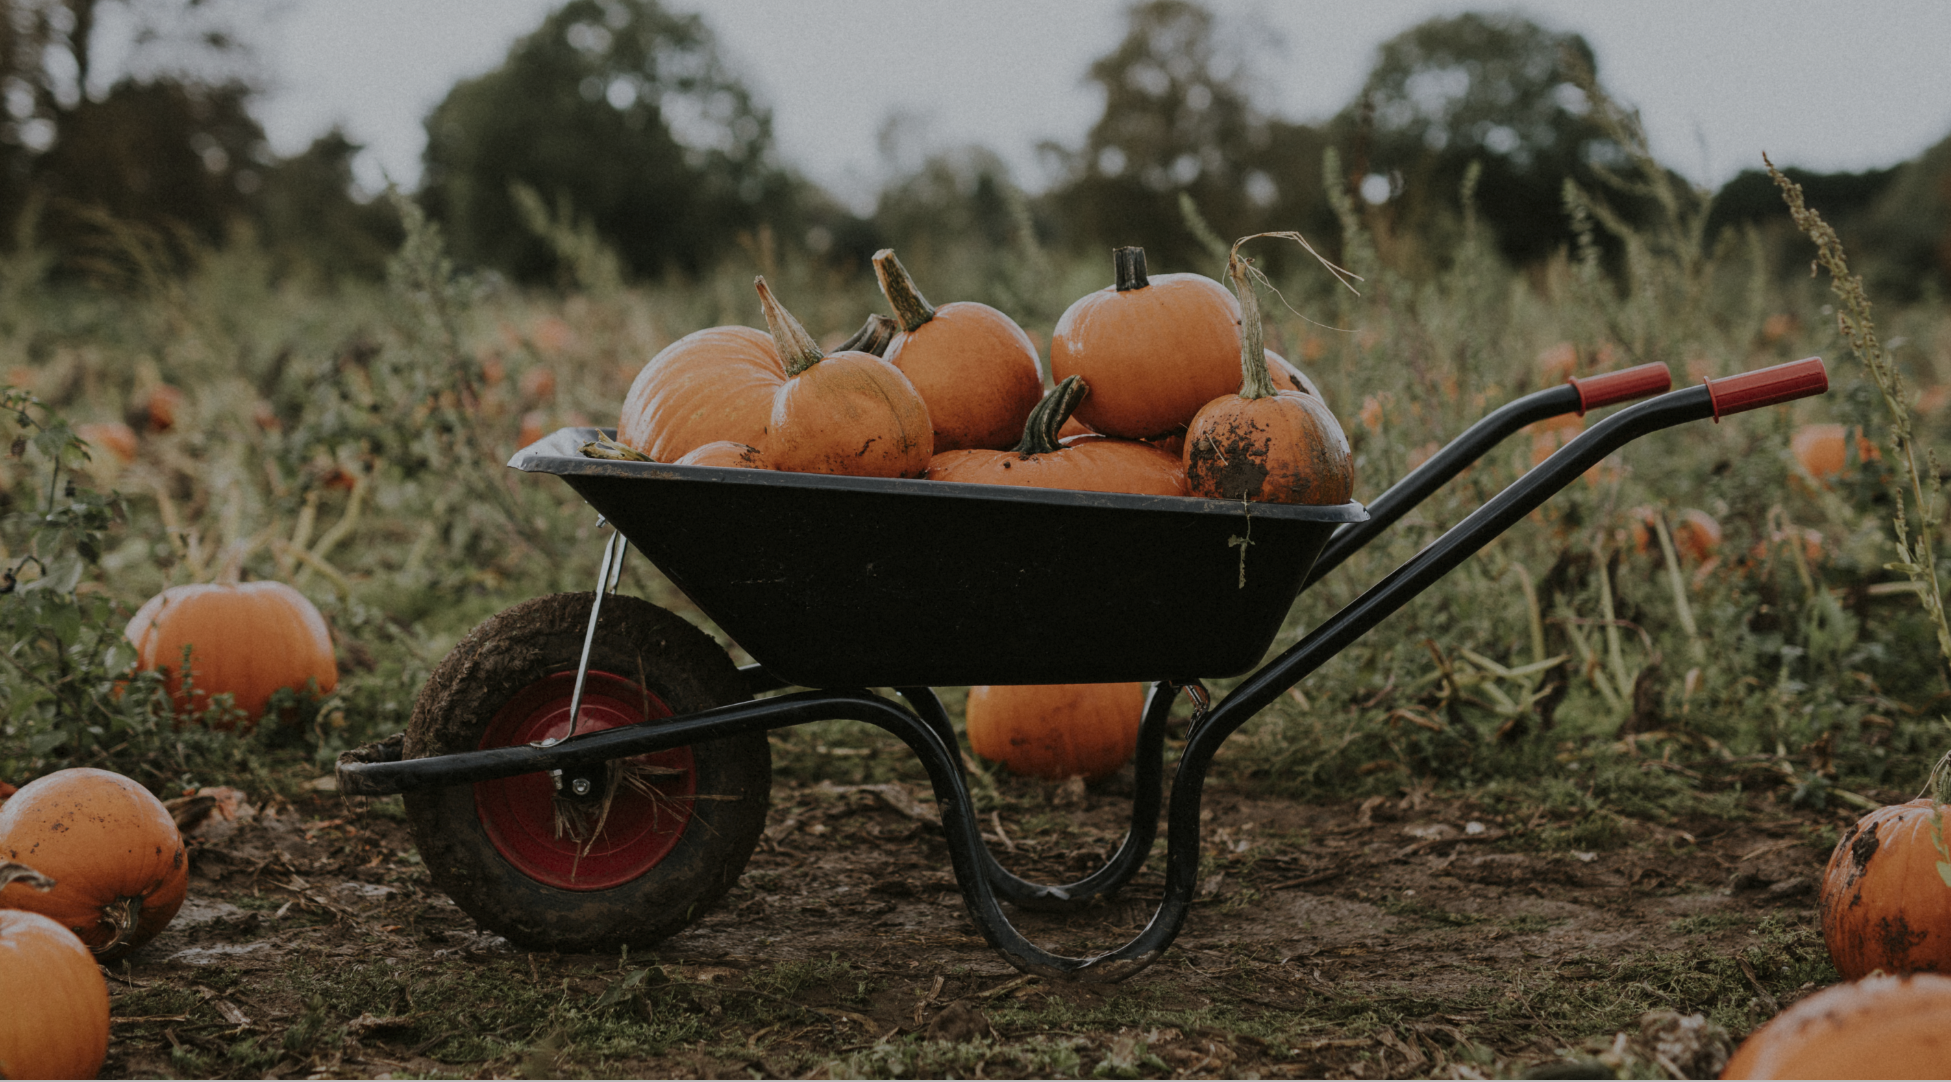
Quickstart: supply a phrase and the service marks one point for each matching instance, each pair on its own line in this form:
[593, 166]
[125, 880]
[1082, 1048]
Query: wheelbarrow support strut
[933, 743]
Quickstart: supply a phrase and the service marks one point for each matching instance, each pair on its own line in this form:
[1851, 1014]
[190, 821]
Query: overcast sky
[1825, 85]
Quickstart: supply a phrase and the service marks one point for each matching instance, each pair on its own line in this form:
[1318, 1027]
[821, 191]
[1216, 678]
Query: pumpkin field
[1566, 814]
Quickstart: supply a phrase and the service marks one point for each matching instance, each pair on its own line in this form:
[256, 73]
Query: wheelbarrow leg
[1147, 799]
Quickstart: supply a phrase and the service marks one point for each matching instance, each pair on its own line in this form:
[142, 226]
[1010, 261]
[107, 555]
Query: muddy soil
[1413, 935]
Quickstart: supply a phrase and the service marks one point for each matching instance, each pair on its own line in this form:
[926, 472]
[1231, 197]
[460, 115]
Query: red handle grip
[1767, 386]
[1621, 386]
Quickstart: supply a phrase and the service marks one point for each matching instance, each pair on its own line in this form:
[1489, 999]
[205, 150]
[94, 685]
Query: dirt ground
[1409, 935]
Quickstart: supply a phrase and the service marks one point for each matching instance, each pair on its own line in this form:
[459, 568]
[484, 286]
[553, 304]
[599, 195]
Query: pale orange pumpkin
[848, 413]
[1087, 462]
[1885, 903]
[248, 639]
[726, 453]
[1879, 1027]
[1696, 536]
[112, 849]
[114, 437]
[161, 408]
[1264, 444]
[972, 364]
[1154, 349]
[1823, 451]
[1056, 730]
[55, 1024]
[714, 384]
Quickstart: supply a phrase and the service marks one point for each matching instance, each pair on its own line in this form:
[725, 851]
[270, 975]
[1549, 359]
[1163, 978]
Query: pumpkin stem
[797, 350]
[1047, 417]
[899, 289]
[874, 336]
[1255, 381]
[11, 872]
[121, 915]
[1130, 266]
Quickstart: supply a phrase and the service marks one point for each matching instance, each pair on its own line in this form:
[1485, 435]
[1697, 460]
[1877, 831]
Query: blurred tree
[627, 111]
[159, 153]
[1178, 118]
[1907, 230]
[165, 144]
[306, 216]
[1498, 89]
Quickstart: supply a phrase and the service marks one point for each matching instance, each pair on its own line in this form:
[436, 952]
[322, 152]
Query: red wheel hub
[552, 839]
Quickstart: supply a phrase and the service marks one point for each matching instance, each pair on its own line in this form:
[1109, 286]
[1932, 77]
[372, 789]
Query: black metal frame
[924, 726]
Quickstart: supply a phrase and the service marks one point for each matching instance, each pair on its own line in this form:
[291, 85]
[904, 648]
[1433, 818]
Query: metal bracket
[607, 577]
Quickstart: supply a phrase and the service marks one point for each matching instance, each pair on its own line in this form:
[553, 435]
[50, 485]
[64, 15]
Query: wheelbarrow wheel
[651, 842]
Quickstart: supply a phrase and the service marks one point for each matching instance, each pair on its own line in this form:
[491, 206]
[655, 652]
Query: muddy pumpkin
[117, 860]
[1886, 895]
[1265, 444]
[1881, 1027]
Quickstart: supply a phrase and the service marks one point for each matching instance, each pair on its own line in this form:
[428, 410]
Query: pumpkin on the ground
[1880, 1027]
[1153, 349]
[1886, 894]
[112, 849]
[114, 437]
[55, 1022]
[249, 639]
[972, 364]
[1087, 462]
[1823, 450]
[1056, 730]
[1264, 444]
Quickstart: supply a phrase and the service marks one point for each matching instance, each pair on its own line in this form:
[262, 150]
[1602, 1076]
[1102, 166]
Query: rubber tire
[532, 641]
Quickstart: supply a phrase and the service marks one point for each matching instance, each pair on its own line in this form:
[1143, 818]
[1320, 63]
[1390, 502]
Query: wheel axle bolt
[580, 786]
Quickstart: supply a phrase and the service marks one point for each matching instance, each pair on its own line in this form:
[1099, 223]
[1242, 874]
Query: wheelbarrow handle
[1767, 386]
[1574, 395]
[1625, 385]
[1733, 394]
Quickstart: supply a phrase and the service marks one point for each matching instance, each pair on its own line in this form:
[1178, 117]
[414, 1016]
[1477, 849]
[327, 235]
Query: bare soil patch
[1413, 935]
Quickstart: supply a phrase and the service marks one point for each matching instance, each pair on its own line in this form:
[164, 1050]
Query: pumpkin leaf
[1944, 872]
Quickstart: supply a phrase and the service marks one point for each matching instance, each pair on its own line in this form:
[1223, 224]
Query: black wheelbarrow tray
[587, 771]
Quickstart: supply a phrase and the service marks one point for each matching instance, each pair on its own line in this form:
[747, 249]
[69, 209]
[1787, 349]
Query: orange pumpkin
[846, 413]
[161, 407]
[537, 384]
[1263, 444]
[1696, 536]
[56, 1021]
[1056, 730]
[714, 384]
[248, 639]
[1089, 463]
[726, 453]
[1886, 896]
[1154, 350]
[972, 364]
[1822, 451]
[114, 437]
[113, 851]
[1880, 1027]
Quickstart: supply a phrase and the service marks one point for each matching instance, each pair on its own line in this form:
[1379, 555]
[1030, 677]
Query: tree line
[623, 117]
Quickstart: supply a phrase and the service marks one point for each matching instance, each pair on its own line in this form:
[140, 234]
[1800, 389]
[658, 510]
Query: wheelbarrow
[587, 771]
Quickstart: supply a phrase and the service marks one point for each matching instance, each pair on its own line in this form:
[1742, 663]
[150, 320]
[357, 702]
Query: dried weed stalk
[1916, 550]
